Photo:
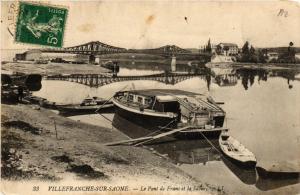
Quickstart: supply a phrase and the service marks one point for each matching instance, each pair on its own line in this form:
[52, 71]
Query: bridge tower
[173, 64]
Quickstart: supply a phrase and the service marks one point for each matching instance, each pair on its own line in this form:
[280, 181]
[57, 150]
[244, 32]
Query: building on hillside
[222, 58]
[227, 49]
[37, 55]
[213, 48]
[66, 58]
[30, 55]
[20, 56]
[272, 56]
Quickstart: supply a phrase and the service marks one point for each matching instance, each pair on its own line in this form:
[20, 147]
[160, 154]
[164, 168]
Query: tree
[289, 55]
[261, 56]
[252, 55]
[291, 51]
[245, 55]
[245, 48]
[252, 50]
[208, 47]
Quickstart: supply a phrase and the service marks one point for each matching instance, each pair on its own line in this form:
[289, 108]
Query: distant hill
[193, 50]
[280, 49]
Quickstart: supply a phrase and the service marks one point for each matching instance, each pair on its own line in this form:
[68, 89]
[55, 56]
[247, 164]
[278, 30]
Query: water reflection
[230, 77]
[179, 151]
[198, 153]
[157, 66]
[190, 152]
[271, 184]
[247, 176]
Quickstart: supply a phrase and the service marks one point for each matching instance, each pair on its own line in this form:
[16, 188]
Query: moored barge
[157, 109]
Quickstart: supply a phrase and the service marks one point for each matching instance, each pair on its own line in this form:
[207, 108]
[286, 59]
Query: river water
[262, 111]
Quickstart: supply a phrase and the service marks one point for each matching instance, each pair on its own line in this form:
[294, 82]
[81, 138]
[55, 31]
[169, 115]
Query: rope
[177, 130]
[108, 100]
[105, 117]
[164, 127]
[210, 143]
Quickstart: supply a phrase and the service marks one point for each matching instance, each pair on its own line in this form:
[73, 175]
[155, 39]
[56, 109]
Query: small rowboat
[87, 106]
[236, 152]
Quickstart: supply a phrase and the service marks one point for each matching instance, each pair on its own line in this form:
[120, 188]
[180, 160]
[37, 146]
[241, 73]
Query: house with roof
[37, 55]
[29, 55]
[227, 49]
[272, 56]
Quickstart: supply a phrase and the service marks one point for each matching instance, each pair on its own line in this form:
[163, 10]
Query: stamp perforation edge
[42, 4]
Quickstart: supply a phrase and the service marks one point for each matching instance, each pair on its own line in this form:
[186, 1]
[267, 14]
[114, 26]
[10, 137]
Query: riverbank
[63, 68]
[253, 65]
[31, 149]
[53, 68]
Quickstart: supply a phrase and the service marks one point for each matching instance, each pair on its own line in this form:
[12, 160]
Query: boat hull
[155, 123]
[197, 135]
[152, 123]
[241, 164]
[80, 110]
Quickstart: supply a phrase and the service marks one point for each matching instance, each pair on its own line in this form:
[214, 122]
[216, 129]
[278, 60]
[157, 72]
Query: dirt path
[30, 150]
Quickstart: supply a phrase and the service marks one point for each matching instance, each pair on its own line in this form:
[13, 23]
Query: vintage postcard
[150, 97]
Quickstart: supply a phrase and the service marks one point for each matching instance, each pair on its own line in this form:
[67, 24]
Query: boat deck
[155, 92]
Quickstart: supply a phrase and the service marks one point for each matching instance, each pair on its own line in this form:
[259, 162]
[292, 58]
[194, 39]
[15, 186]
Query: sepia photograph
[150, 97]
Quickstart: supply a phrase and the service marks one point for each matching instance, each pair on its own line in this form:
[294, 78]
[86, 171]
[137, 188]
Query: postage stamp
[41, 24]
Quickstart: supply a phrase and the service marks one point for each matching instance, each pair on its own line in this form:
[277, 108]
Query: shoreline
[63, 68]
[252, 65]
[33, 152]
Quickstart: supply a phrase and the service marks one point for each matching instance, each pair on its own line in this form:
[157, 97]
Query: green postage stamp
[41, 24]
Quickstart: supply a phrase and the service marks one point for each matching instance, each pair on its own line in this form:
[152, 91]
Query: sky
[187, 24]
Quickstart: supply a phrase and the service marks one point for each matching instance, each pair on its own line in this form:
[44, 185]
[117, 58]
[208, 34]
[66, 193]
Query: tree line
[250, 54]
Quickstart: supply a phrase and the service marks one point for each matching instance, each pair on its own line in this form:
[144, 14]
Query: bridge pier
[91, 80]
[97, 60]
[173, 64]
[92, 59]
[85, 80]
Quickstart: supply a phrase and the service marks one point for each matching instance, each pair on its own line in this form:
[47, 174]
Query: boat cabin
[190, 109]
[92, 101]
[157, 103]
[88, 102]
